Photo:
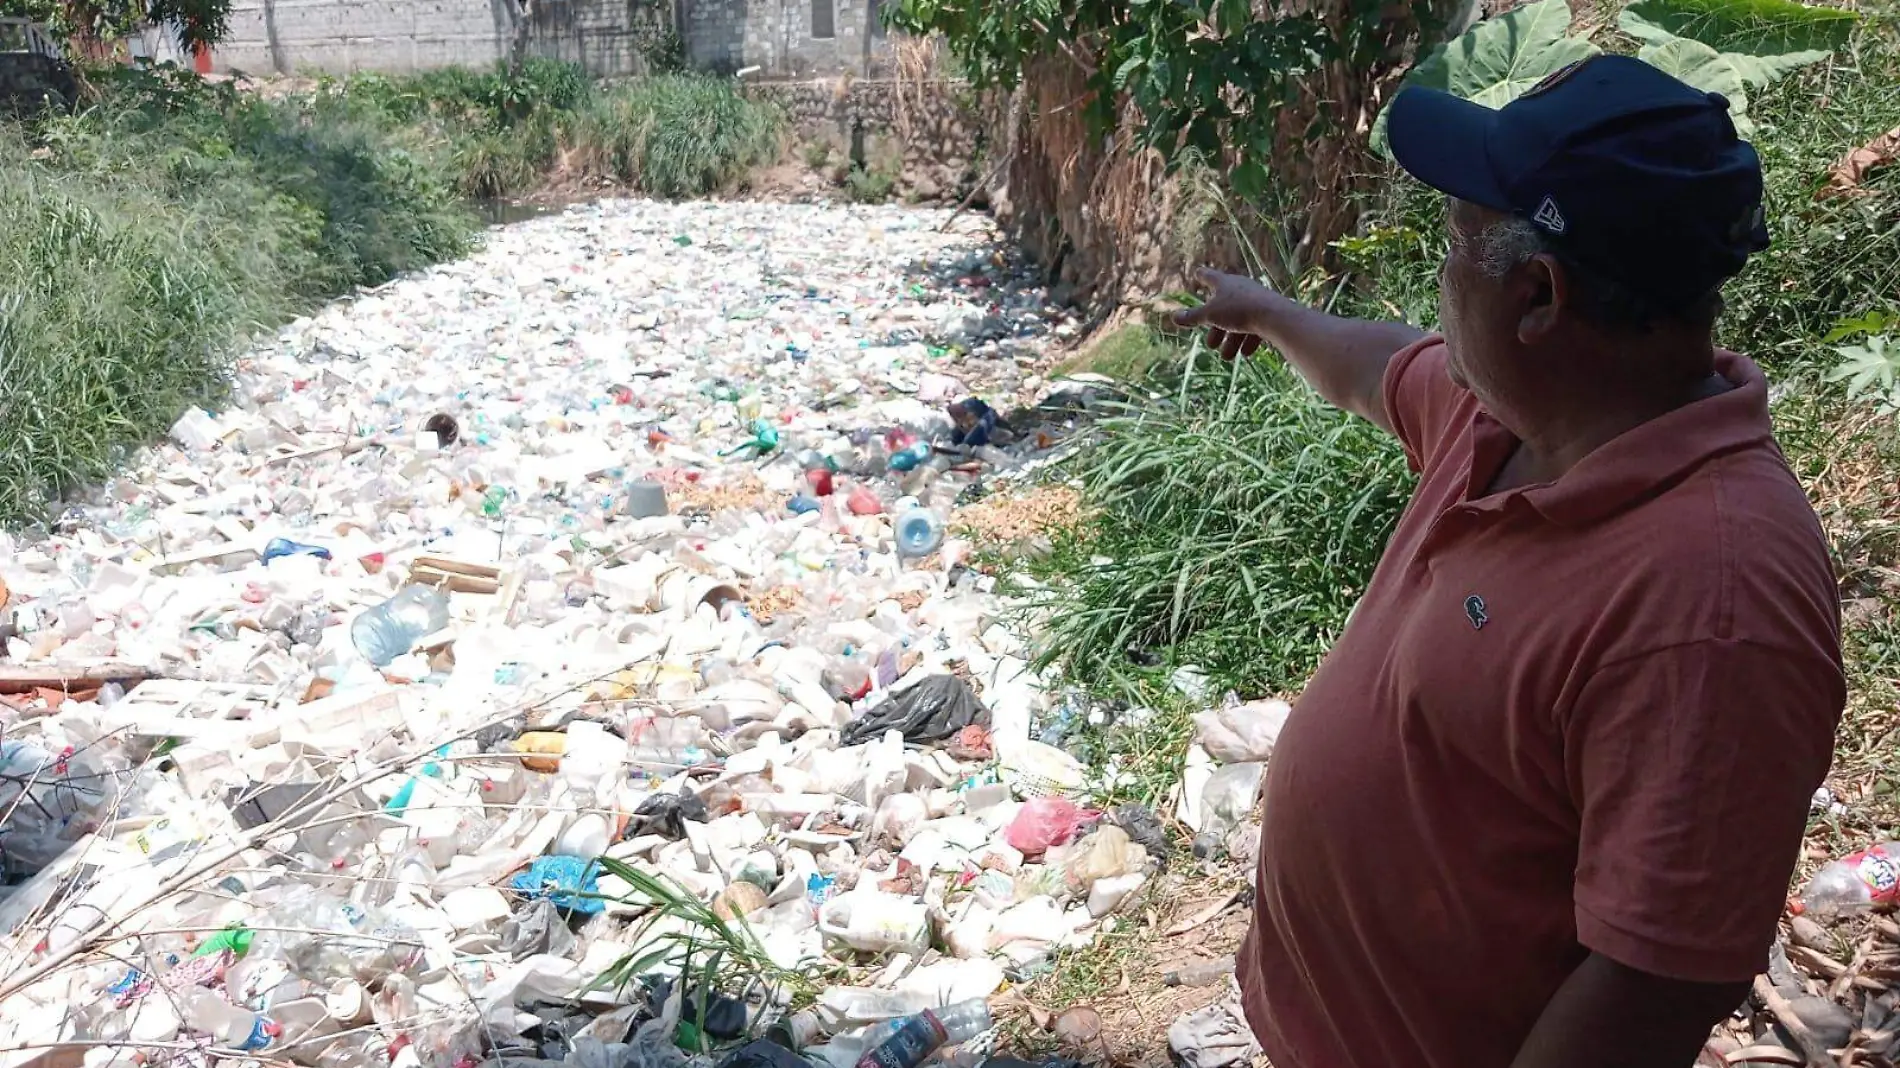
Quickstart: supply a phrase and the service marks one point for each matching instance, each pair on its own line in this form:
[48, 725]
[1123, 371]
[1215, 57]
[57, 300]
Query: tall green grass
[670, 135]
[112, 320]
[674, 135]
[142, 239]
[1234, 524]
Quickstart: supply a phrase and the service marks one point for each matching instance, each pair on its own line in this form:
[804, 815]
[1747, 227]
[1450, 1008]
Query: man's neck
[1556, 444]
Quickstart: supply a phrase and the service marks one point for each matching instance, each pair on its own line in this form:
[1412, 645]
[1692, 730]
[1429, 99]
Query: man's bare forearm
[1344, 360]
[1609, 1015]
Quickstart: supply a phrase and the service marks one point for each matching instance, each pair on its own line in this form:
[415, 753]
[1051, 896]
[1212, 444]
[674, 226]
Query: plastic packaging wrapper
[1237, 733]
[1044, 822]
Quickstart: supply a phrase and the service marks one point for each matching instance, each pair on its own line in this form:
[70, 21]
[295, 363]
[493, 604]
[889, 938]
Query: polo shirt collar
[1634, 464]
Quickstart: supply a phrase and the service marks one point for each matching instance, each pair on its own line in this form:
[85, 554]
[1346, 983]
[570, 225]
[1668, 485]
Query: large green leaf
[1706, 69]
[1499, 59]
[1765, 39]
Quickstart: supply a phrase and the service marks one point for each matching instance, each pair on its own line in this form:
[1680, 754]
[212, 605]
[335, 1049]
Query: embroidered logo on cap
[1549, 217]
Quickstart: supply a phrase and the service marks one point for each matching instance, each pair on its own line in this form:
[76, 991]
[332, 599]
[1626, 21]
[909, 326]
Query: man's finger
[1208, 277]
[1190, 317]
[1251, 345]
[1230, 345]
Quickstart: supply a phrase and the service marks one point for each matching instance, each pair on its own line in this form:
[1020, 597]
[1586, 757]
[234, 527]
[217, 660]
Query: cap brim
[1442, 141]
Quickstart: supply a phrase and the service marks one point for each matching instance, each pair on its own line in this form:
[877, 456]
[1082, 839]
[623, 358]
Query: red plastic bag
[1043, 822]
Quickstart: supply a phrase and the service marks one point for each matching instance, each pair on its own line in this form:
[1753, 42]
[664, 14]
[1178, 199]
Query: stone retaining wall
[929, 134]
[29, 81]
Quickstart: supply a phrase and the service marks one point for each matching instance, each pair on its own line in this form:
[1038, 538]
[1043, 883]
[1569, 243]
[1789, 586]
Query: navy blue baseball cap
[1627, 171]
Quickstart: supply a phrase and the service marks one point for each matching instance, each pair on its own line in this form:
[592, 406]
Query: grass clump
[869, 185]
[112, 320]
[1233, 525]
[1128, 353]
[670, 135]
[142, 239]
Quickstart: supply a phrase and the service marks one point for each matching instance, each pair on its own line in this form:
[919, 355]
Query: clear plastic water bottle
[1856, 882]
[919, 532]
[392, 628]
[910, 1041]
[228, 1025]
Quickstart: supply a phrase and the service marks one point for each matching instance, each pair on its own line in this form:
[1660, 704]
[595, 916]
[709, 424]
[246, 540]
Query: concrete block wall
[298, 36]
[604, 36]
[725, 36]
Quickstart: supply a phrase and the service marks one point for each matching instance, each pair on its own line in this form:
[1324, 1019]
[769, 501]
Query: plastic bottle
[390, 629]
[919, 532]
[1201, 973]
[911, 456]
[228, 1025]
[913, 1039]
[1856, 882]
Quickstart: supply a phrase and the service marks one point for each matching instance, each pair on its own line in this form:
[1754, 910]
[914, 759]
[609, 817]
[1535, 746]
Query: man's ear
[1545, 294]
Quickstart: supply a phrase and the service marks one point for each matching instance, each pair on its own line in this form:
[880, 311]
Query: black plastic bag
[1144, 830]
[930, 711]
[667, 814]
[763, 1054]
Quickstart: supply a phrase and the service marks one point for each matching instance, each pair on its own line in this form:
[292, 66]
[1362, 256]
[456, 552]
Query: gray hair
[1507, 244]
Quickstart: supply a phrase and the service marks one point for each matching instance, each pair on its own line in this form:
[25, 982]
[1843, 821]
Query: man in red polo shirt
[1539, 807]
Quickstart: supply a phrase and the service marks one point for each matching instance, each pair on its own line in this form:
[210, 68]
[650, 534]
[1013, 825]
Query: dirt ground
[1188, 916]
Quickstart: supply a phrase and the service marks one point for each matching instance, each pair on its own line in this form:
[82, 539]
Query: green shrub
[869, 185]
[113, 318]
[1233, 524]
[675, 135]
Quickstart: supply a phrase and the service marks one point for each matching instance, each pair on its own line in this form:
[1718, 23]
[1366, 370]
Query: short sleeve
[1421, 400]
[1692, 769]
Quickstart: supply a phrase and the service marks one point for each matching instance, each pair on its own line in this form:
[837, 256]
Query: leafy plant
[1703, 67]
[1500, 59]
[1871, 371]
[683, 932]
[869, 185]
[1873, 322]
[1762, 40]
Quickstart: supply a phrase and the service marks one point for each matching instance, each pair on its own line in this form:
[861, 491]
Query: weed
[869, 185]
[817, 155]
[150, 234]
[680, 930]
[675, 136]
[112, 320]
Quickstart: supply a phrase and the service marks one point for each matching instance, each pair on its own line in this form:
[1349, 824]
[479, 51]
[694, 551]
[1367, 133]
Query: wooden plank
[67, 677]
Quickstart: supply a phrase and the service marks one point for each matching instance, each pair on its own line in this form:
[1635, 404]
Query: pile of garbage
[558, 656]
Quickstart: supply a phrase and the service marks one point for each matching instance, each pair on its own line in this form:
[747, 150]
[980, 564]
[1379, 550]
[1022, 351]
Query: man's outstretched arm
[1609, 1015]
[1343, 359]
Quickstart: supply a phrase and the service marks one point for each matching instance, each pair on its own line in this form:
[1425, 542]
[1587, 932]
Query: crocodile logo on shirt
[1474, 611]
